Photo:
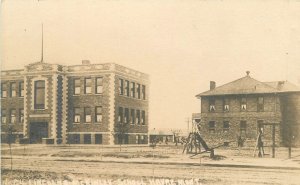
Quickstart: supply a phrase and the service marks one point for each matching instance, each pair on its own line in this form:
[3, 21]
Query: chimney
[280, 85]
[86, 62]
[212, 85]
[247, 72]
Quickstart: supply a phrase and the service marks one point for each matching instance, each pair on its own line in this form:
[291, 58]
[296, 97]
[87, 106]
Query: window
[21, 89]
[143, 92]
[13, 90]
[211, 105]
[120, 116]
[76, 86]
[225, 126]
[21, 115]
[39, 94]
[121, 87]
[87, 115]
[211, 126]
[137, 119]
[260, 104]
[126, 117]
[132, 90]
[88, 86]
[12, 115]
[143, 118]
[98, 115]
[226, 104]
[99, 85]
[3, 116]
[74, 139]
[243, 126]
[98, 138]
[126, 87]
[87, 138]
[3, 90]
[132, 120]
[138, 91]
[76, 115]
[243, 104]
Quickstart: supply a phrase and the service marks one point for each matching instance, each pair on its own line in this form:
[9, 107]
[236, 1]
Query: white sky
[182, 45]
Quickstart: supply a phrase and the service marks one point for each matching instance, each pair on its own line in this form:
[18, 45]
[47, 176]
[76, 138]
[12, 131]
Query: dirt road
[206, 174]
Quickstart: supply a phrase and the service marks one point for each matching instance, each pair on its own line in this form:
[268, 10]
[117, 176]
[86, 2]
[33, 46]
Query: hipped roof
[249, 85]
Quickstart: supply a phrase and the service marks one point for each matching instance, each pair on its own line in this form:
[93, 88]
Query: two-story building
[241, 107]
[78, 104]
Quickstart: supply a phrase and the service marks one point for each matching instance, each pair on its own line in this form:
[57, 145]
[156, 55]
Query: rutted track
[220, 175]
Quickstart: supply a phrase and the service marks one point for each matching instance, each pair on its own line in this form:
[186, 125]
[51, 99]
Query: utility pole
[188, 124]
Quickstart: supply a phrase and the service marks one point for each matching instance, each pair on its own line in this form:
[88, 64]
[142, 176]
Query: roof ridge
[242, 88]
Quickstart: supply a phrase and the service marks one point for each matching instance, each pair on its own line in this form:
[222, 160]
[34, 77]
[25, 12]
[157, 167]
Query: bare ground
[61, 163]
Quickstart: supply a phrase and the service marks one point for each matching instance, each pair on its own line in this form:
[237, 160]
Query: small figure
[240, 141]
[260, 144]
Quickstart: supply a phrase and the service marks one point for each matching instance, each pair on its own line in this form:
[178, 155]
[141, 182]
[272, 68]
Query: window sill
[76, 123]
[88, 94]
[125, 96]
[87, 123]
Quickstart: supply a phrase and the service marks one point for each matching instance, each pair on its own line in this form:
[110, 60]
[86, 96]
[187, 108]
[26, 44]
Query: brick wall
[88, 100]
[270, 114]
[8, 103]
[132, 103]
[290, 118]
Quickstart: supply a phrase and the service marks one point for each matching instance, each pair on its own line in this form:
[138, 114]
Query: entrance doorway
[38, 130]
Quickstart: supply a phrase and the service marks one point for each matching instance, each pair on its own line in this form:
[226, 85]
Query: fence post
[273, 140]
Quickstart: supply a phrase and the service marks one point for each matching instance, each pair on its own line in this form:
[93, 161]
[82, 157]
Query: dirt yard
[144, 165]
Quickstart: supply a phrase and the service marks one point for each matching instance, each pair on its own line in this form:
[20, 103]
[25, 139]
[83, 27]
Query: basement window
[243, 126]
[212, 126]
[225, 126]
